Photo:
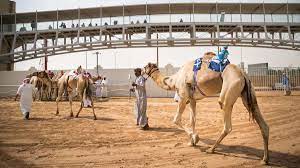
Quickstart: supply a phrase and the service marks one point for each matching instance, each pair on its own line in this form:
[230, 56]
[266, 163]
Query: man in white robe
[98, 88]
[25, 91]
[104, 88]
[140, 105]
[176, 97]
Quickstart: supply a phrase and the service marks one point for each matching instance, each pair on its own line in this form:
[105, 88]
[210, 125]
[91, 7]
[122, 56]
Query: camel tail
[249, 98]
[87, 90]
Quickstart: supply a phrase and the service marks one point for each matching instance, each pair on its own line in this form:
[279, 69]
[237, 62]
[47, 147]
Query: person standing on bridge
[141, 100]
[223, 55]
[33, 25]
[25, 91]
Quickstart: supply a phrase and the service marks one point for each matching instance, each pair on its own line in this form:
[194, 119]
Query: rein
[151, 72]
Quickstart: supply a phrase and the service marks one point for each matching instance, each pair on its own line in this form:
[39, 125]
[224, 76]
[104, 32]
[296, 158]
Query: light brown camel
[37, 83]
[42, 82]
[71, 83]
[231, 84]
[54, 84]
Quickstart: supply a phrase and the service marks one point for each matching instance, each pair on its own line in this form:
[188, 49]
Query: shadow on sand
[98, 118]
[275, 158]
[7, 160]
[40, 119]
[165, 129]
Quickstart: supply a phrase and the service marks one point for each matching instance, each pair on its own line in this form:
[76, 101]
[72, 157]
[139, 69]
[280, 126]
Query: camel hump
[208, 56]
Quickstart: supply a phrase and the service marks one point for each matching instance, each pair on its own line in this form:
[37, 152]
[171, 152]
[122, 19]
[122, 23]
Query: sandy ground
[114, 140]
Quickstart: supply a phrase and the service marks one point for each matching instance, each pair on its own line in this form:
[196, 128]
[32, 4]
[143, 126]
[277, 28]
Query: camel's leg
[70, 102]
[59, 95]
[57, 100]
[192, 133]
[81, 105]
[34, 94]
[180, 109]
[264, 128]
[80, 94]
[227, 127]
[95, 117]
[228, 97]
[42, 94]
[49, 93]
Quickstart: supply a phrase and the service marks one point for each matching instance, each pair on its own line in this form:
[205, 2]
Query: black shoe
[26, 116]
[146, 127]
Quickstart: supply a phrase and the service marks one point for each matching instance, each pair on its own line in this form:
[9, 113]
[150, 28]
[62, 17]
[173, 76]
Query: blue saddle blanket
[197, 64]
[217, 65]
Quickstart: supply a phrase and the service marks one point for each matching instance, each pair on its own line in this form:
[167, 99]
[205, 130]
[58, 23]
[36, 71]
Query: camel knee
[177, 120]
[57, 99]
[265, 130]
[227, 130]
[221, 104]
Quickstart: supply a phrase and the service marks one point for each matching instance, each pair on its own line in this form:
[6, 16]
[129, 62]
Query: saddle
[211, 63]
[217, 65]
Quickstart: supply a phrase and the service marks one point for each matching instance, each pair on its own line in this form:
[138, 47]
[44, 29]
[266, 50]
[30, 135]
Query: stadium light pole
[222, 18]
[157, 49]
[86, 60]
[97, 66]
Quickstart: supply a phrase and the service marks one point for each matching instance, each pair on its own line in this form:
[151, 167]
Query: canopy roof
[153, 9]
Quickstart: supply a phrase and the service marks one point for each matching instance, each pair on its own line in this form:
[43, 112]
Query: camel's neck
[165, 82]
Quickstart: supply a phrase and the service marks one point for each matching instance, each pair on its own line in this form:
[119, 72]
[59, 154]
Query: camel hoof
[95, 118]
[209, 151]
[71, 115]
[195, 139]
[190, 144]
[76, 116]
[264, 162]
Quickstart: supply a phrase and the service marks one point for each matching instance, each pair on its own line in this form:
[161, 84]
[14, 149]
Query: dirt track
[114, 141]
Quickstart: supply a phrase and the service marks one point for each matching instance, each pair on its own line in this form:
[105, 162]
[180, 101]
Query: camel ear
[149, 64]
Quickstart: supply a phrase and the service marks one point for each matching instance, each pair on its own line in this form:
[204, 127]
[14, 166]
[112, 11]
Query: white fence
[274, 78]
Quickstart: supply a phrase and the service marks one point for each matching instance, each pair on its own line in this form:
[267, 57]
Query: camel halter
[151, 72]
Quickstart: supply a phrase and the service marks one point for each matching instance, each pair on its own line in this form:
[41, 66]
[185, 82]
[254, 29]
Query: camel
[71, 83]
[54, 84]
[37, 83]
[42, 82]
[230, 84]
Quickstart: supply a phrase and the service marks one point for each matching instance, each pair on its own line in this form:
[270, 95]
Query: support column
[193, 34]
[46, 56]
[72, 46]
[266, 32]
[148, 35]
[6, 64]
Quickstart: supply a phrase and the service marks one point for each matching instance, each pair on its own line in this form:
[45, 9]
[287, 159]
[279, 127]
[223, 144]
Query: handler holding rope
[141, 100]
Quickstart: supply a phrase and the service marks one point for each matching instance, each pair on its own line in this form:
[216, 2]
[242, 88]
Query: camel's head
[150, 68]
[79, 70]
[42, 74]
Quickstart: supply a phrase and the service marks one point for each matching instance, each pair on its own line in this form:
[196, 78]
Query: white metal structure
[271, 25]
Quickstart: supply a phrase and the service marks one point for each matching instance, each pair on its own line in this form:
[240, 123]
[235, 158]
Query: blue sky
[130, 58]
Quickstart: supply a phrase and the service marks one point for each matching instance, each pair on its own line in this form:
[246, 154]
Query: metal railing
[274, 78]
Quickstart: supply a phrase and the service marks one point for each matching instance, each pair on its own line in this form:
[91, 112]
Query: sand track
[114, 141]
